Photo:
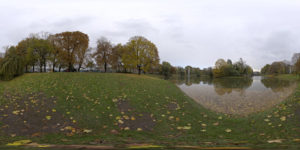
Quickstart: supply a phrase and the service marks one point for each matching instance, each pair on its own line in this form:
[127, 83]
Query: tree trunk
[70, 67]
[41, 68]
[44, 65]
[53, 66]
[105, 67]
[32, 68]
[26, 68]
[59, 68]
[79, 68]
[139, 67]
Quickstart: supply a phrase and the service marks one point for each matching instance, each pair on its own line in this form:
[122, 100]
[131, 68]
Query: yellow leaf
[16, 112]
[53, 110]
[139, 129]
[132, 118]
[144, 146]
[48, 117]
[18, 143]
[126, 117]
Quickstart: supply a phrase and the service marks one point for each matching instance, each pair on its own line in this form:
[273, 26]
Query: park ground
[130, 111]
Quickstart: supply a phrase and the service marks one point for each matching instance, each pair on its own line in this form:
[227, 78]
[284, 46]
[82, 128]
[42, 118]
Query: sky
[186, 32]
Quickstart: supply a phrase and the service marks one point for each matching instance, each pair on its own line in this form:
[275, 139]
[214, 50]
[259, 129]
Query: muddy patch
[32, 115]
[173, 106]
[133, 120]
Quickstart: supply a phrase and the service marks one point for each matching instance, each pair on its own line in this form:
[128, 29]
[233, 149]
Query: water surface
[237, 95]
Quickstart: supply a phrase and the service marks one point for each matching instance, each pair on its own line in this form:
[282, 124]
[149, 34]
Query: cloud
[189, 32]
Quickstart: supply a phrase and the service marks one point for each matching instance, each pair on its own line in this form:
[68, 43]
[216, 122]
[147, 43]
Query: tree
[103, 52]
[140, 53]
[218, 71]
[180, 71]
[23, 47]
[73, 46]
[265, 69]
[297, 66]
[277, 68]
[12, 64]
[116, 57]
[166, 69]
[295, 58]
[55, 52]
[39, 50]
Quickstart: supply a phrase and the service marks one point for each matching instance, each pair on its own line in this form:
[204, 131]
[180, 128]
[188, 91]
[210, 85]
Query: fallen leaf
[48, 117]
[283, 118]
[18, 143]
[275, 141]
[228, 130]
[87, 131]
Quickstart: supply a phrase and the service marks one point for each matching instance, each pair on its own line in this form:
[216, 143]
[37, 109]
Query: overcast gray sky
[186, 32]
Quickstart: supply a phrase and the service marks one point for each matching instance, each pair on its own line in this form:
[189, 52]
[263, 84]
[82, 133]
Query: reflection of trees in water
[276, 85]
[193, 80]
[227, 85]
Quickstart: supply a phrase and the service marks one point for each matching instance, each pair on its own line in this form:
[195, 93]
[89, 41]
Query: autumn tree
[218, 71]
[55, 57]
[277, 68]
[141, 54]
[73, 46]
[239, 68]
[103, 52]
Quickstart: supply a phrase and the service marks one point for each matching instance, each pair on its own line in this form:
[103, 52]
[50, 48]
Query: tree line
[283, 67]
[222, 68]
[70, 51]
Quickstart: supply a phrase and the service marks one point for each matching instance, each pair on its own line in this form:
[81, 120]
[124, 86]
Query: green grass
[88, 98]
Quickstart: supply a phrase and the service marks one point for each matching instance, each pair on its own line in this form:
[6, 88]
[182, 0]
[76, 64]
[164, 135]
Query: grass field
[120, 109]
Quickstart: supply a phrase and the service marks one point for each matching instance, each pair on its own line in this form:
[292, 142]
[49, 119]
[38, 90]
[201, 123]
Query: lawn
[121, 109]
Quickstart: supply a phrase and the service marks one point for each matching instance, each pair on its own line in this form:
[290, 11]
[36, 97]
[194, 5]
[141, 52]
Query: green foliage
[140, 54]
[12, 64]
[239, 68]
[275, 68]
[166, 69]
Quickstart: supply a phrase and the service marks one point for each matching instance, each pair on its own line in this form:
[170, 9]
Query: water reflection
[237, 95]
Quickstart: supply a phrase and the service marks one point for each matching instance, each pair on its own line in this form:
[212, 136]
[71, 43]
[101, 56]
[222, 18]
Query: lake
[237, 95]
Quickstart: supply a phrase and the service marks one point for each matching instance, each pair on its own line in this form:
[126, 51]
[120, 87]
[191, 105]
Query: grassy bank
[119, 109]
